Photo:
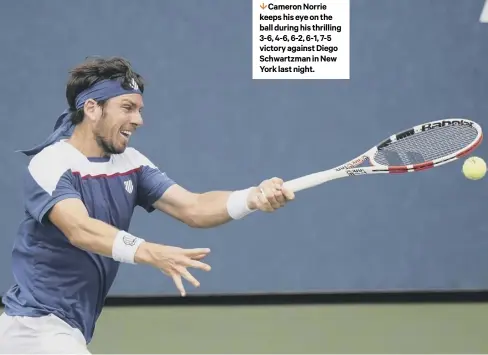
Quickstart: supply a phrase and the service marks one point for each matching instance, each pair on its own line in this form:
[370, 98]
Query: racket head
[419, 148]
[426, 146]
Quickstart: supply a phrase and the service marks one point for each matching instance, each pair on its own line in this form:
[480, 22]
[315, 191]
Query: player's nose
[137, 120]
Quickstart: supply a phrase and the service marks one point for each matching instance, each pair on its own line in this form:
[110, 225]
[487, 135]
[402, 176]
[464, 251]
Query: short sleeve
[46, 183]
[152, 184]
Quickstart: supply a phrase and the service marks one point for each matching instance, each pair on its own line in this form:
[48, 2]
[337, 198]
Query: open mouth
[126, 134]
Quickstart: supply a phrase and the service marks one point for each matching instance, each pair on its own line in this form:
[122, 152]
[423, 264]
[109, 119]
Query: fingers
[189, 277]
[197, 265]
[176, 273]
[199, 257]
[179, 283]
[262, 201]
[271, 195]
[277, 181]
[285, 193]
[176, 261]
[181, 271]
[278, 192]
[288, 194]
[192, 253]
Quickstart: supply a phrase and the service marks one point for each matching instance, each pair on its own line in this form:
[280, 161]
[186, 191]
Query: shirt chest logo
[129, 187]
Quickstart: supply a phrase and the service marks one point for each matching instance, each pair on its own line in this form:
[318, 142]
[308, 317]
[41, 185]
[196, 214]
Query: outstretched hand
[175, 261]
[178, 260]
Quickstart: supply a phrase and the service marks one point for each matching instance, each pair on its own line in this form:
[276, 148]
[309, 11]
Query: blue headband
[103, 90]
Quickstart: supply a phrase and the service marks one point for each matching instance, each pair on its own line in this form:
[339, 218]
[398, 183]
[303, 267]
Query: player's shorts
[39, 335]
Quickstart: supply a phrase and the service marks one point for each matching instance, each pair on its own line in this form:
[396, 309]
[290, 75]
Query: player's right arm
[51, 197]
[71, 217]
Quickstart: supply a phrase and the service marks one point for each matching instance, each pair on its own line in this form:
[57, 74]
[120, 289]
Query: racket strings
[427, 145]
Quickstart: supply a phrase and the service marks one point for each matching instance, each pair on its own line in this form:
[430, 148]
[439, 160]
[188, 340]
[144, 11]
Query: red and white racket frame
[351, 168]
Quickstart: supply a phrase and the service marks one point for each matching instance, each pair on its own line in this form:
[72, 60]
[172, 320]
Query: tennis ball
[474, 168]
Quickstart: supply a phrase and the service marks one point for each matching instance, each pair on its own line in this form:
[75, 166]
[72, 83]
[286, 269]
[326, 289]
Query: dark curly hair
[96, 69]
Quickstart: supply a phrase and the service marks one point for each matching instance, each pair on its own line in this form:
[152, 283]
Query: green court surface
[413, 328]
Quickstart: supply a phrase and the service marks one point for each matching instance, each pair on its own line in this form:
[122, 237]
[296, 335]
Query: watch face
[129, 240]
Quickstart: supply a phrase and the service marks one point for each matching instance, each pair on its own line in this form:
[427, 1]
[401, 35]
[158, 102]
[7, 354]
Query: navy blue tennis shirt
[52, 275]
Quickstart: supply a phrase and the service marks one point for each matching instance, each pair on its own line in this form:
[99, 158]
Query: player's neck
[84, 141]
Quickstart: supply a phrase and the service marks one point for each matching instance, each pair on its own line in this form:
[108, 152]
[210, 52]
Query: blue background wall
[209, 126]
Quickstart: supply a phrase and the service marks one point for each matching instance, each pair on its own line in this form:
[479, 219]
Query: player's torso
[109, 197]
[53, 276]
[108, 188]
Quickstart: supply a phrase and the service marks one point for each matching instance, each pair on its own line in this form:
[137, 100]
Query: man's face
[120, 118]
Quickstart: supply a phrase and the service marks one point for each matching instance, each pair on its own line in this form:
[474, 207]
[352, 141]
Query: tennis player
[81, 188]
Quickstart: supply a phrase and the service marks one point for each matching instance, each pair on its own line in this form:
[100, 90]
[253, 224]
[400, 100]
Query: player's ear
[92, 110]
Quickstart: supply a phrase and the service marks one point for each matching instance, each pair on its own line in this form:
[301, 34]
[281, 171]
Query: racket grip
[306, 182]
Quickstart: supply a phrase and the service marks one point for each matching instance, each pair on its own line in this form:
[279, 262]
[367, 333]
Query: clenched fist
[269, 195]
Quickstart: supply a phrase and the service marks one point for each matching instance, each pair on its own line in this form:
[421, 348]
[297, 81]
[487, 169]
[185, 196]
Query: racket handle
[307, 181]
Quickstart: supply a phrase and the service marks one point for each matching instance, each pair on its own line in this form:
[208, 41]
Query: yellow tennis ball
[474, 168]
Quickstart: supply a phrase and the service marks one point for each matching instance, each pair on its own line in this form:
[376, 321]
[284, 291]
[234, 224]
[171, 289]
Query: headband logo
[134, 85]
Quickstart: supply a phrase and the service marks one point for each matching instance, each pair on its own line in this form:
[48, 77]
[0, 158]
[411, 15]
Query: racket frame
[351, 168]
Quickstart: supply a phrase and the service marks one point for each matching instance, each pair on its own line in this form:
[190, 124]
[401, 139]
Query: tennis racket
[419, 148]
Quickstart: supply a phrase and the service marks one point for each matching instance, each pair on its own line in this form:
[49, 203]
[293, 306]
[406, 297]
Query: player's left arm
[209, 209]
[213, 208]
[199, 210]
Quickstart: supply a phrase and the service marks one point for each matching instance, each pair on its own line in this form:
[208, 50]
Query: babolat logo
[428, 126]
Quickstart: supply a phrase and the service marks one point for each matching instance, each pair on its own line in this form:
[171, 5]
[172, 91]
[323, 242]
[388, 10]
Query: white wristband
[125, 247]
[237, 204]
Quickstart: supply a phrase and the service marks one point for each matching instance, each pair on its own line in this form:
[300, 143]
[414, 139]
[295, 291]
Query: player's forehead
[131, 99]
